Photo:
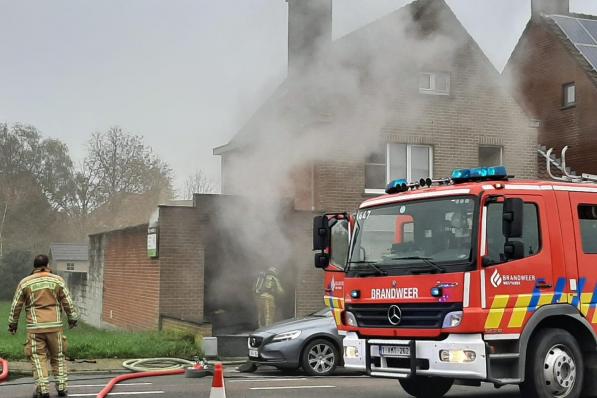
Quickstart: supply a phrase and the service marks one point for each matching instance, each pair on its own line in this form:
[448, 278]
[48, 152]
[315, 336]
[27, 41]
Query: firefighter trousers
[266, 310]
[42, 348]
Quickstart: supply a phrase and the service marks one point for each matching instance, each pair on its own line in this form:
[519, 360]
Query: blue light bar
[395, 186]
[479, 174]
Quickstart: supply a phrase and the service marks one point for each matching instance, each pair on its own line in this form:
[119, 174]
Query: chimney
[309, 32]
[549, 7]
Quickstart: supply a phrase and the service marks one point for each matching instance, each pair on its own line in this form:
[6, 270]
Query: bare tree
[198, 182]
[118, 164]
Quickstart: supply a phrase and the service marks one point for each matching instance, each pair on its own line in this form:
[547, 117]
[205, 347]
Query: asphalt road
[261, 384]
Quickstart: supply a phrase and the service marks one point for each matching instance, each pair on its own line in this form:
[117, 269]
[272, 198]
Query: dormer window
[434, 83]
[569, 95]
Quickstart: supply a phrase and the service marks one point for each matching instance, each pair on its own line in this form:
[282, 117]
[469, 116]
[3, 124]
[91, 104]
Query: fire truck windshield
[423, 236]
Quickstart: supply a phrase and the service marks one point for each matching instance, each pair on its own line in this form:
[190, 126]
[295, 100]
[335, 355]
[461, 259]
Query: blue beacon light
[479, 173]
[395, 186]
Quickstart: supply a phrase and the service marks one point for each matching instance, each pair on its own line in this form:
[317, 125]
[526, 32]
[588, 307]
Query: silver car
[312, 343]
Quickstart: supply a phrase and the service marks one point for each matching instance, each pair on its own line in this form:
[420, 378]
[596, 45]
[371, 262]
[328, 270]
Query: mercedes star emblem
[394, 315]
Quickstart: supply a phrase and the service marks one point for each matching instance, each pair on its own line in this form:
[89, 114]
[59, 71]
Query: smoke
[358, 92]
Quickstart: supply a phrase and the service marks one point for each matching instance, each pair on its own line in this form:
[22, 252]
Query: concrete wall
[87, 287]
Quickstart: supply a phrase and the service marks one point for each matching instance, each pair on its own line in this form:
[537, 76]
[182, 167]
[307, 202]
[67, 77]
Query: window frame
[580, 231]
[485, 242]
[408, 164]
[433, 83]
[501, 148]
[565, 103]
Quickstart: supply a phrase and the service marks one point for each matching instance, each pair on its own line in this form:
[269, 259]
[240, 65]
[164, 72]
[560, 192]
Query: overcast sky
[185, 74]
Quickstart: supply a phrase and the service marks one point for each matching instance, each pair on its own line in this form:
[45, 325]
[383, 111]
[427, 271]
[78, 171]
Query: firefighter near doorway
[44, 295]
[268, 291]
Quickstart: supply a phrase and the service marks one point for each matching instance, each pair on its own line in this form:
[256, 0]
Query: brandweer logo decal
[498, 279]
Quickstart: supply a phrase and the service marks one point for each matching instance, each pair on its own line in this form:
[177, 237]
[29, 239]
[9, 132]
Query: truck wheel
[426, 387]
[319, 358]
[554, 366]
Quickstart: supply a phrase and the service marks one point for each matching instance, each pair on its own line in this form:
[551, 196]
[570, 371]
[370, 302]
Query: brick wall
[540, 65]
[131, 281]
[478, 111]
[182, 263]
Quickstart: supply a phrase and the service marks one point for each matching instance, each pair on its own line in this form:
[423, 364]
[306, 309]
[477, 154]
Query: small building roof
[69, 251]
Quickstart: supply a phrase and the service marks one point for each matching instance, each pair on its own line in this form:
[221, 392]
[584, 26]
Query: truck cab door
[514, 287]
[331, 237]
[584, 217]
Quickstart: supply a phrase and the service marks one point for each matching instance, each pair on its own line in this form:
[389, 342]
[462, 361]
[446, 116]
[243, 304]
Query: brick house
[553, 73]
[409, 95]
[443, 106]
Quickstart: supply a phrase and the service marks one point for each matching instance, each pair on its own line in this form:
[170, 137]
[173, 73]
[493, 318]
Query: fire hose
[4, 373]
[154, 367]
[106, 390]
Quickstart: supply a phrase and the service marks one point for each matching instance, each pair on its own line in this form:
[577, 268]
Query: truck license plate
[254, 353]
[395, 350]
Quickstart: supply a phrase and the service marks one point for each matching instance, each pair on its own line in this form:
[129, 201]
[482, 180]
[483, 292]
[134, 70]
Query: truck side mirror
[513, 250]
[322, 260]
[512, 218]
[321, 233]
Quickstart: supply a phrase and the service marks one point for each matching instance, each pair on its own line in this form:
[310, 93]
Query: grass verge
[86, 342]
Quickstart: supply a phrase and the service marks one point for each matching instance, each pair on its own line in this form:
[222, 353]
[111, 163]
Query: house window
[490, 155]
[70, 266]
[392, 161]
[569, 94]
[435, 83]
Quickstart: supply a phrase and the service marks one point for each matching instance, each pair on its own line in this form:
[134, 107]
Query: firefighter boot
[62, 392]
[38, 394]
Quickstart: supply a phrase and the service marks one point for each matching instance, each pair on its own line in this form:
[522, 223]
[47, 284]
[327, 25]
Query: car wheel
[426, 387]
[554, 366]
[319, 358]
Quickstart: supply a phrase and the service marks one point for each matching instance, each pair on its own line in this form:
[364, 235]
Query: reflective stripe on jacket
[44, 295]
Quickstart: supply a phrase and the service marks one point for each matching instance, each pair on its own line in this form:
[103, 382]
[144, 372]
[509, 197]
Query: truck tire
[426, 387]
[554, 366]
[319, 358]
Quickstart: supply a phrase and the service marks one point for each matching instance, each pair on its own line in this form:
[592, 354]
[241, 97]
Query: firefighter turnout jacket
[43, 294]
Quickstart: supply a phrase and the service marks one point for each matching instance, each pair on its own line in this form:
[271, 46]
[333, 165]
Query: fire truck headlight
[349, 319]
[452, 319]
[351, 352]
[457, 356]
[287, 336]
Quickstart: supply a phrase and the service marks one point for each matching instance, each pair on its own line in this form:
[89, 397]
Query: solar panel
[590, 53]
[591, 27]
[574, 30]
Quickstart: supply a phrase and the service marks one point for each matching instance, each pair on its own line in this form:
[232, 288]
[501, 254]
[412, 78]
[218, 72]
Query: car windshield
[418, 236]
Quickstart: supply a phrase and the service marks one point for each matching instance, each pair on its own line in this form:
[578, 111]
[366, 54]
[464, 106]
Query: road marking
[289, 387]
[103, 385]
[118, 393]
[262, 380]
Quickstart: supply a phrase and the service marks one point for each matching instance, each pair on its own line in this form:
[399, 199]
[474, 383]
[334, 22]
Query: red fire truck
[476, 278]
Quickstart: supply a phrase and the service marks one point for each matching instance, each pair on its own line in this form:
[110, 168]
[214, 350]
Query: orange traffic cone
[217, 385]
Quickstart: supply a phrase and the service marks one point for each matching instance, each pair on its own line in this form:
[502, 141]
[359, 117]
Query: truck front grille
[415, 316]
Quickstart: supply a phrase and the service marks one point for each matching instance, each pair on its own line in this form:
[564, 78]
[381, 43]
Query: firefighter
[268, 290]
[44, 295]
